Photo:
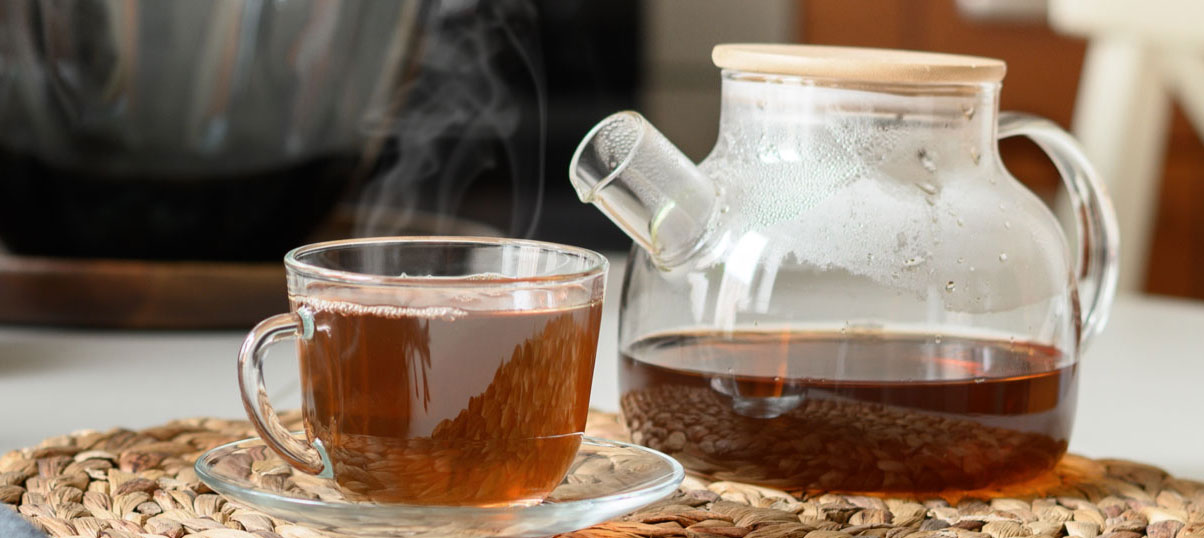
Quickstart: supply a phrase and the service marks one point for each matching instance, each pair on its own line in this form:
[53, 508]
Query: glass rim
[597, 263]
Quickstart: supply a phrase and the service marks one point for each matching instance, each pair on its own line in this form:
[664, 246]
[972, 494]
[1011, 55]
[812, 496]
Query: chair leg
[1122, 118]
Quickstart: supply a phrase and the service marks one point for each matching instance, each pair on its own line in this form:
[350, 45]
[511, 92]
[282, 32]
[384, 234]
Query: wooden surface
[1042, 78]
[139, 294]
[145, 294]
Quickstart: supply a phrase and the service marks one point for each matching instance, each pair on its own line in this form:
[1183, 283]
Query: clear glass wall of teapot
[851, 292]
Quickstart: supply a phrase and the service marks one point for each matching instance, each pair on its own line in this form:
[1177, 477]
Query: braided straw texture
[125, 484]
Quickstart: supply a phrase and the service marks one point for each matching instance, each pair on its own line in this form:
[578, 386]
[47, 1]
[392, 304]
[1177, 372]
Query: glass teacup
[435, 370]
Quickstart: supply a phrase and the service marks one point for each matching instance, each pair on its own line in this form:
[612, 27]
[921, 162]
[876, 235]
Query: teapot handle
[1096, 228]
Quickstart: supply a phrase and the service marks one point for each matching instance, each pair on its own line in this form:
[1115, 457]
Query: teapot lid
[862, 64]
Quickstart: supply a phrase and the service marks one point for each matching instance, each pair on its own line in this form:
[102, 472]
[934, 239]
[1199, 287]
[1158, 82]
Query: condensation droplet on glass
[968, 111]
[913, 261]
[960, 260]
[725, 209]
[1007, 224]
[974, 156]
[1003, 257]
[926, 160]
[1002, 206]
[950, 286]
[927, 187]
[960, 222]
[971, 268]
[936, 338]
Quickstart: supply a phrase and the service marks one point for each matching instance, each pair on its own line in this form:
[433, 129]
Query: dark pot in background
[177, 129]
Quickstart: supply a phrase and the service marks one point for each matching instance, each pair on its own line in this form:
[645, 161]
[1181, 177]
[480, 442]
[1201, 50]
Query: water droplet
[950, 286]
[1003, 257]
[960, 260]
[968, 111]
[974, 156]
[927, 187]
[1007, 224]
[725, 209]
[960, 222]
[926, 160]
[1002, 206]
[971, 268]
[937, 339]
[980, 380]
[913, 261]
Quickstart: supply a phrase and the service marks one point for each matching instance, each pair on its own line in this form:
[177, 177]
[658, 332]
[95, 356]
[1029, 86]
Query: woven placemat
[139, 484]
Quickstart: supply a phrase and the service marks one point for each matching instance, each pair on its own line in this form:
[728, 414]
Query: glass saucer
[608, 479]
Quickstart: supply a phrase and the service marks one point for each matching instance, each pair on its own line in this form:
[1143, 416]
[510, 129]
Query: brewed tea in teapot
[851, 293]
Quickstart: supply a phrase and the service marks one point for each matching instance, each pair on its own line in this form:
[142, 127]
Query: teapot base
[988, 413]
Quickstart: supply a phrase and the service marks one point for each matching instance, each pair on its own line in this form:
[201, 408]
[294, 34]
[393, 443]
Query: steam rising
[465, 109]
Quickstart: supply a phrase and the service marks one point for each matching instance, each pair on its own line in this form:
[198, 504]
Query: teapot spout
[643, 183]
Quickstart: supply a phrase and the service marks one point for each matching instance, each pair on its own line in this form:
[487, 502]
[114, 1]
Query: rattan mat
[124, 484]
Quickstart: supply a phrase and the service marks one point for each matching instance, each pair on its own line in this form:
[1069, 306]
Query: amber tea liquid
[918, 414]
[437, 406]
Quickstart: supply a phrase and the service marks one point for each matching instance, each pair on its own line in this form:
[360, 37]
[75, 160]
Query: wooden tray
[139, 294]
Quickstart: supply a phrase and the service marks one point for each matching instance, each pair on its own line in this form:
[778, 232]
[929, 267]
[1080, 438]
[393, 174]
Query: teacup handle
[297, 453]
[1095, 219]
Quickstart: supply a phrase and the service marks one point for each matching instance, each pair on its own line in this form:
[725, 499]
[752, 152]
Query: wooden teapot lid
[861, 64]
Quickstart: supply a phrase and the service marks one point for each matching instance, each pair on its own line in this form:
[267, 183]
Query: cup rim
[597, 263]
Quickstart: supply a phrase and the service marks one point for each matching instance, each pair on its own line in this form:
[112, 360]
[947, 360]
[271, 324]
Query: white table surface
[1141, 393]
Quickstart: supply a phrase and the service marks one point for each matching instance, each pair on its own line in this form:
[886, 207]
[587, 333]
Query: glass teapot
[851, 292]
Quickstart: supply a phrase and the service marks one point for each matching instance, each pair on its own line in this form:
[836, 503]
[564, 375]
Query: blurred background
[149, 148]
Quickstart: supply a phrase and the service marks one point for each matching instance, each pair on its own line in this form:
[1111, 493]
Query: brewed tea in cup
[450, 371]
